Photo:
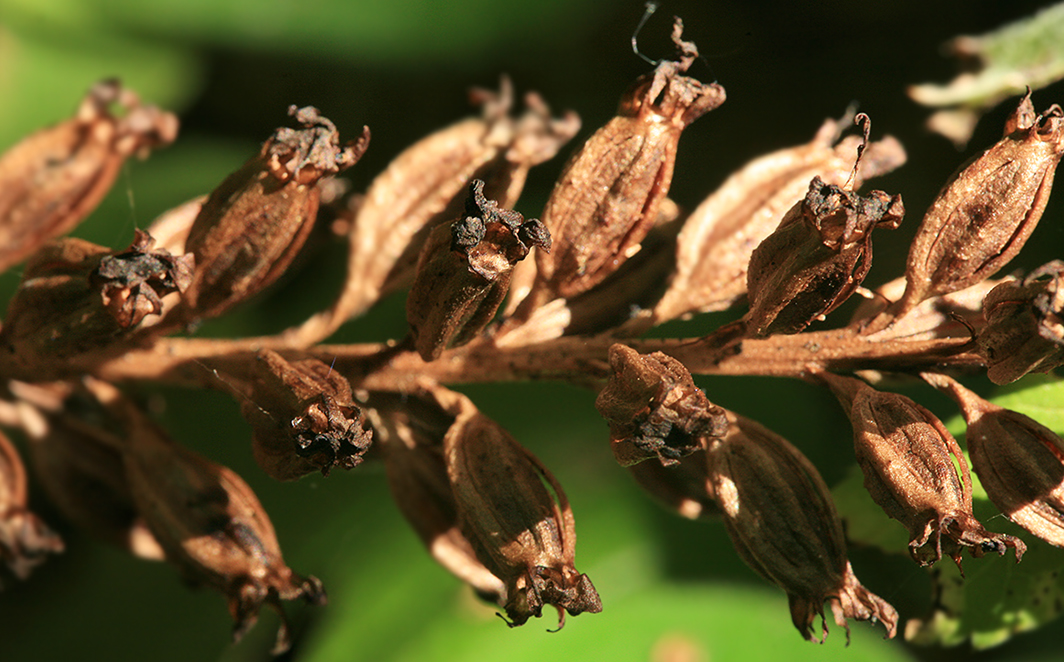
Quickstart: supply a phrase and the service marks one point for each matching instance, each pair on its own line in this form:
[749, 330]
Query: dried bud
[522, 533]
[910, 463]
[304, 418]
[53, 179]
[410, 428]
[254, 223]
[210, 525]
[816, 258]
[607, 198]
[76, 297]
[464, 273]
[1020, 462]
[781, 519]
[655, 409]
[24, 539]
[714, 248]
[1024, 325]
[984, 215]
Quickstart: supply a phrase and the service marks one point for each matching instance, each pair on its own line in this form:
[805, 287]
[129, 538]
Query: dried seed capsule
[522, 533]
[714, 248]
[781, 519]
[655, 410]
[304, 418]
[607, 198]
[24, 539]
[464, 273]
[816, 258]
[254, 223]
[984, 215]
[1024, 325]
[53, 179]
[1019, 461]
[410, 428]
[210, 524]
[908, 459]
[76, 297]
[682, 487]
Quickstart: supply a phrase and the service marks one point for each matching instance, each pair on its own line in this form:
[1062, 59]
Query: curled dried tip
[133, 283]
[862, 120]
[496, 105]
[308, 154]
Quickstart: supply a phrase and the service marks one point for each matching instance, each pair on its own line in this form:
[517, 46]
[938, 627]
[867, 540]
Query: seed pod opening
[910, 462]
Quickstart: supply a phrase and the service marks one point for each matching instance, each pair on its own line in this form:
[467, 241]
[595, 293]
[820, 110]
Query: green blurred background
[230, 68]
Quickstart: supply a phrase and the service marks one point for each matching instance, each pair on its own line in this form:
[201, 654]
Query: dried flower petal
[24, 539]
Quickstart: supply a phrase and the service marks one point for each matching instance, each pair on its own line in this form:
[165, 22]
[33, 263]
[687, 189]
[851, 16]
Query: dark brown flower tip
[1019, 461]
[1024, 325]
[523, 533]
[910, 462]
[25, 541]
[304, 418]
[984, 215]
[53, 179]
[133, 283]
[253, 224]
[782, 521]
[655, 410]
[464, 273]
[816, 258]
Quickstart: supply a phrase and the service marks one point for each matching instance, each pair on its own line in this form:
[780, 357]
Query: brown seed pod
[1024, 325]
[655, 410]
[607, 198]
[1019, 461]
[25, 541]
[910, 463]
[464, 273]
[523, 532]
[780, 517]
[816, 258]
[53, 179]
[304, 418]
[984, 215]
[718, 238]
[682, 487]
[251, 227]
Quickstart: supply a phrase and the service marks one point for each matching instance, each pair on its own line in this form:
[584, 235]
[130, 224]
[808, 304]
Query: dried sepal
[714, 248]
[208, 522]
[304, 418]
[25, 541]
[253, 224]
[53, 179]
[910, 463]
[1024, 325]
[464, 272]
[1019, 461]
[133, 283]
[655, 410]
[410, 428]
[984, 215]
[607, 197]
[517, 517]
[816, 258]
[782, 521]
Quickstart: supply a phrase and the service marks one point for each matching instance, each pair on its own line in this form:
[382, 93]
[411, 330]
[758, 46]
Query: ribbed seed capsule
[714, 248]
[1024, 325]
[209, 523]
[655, 410]
[984, 215]
[254, 223]
[24, 539]
[304, 418]
[607, 198]
[464, 273]
[1019, 461]
[781, 519]
[409, 429]
[523, 534]
[816, 258]
[53, 179]
[908, 459]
